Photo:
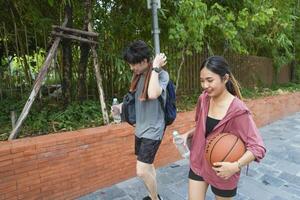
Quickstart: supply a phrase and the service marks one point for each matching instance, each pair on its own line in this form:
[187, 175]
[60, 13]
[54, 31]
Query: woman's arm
[187, 135]
[226, 169]
[247, 158]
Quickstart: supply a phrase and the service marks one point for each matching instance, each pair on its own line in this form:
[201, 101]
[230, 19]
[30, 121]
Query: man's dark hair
[136, 52]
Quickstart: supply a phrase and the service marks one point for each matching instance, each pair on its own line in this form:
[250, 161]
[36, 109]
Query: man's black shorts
[216, 191]
[146, 149]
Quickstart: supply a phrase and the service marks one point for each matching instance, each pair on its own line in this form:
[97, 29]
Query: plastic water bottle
[182, 148]
[116, 114]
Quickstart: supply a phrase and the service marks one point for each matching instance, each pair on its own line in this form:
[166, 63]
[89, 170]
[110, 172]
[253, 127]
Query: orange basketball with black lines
[224, 147]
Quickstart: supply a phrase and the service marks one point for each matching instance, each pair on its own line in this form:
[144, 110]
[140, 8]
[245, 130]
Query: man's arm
[154, 89]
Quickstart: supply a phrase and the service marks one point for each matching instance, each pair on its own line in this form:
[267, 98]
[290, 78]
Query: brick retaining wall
[70, 164]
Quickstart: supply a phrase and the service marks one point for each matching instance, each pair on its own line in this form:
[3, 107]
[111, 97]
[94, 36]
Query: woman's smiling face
[212, 83]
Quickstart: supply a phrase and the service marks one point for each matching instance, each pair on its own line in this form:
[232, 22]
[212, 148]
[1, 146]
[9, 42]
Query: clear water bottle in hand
[181, 146]
[115, 111]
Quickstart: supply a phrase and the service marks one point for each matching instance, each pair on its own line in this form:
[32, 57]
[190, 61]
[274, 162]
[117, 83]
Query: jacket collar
[236, 108]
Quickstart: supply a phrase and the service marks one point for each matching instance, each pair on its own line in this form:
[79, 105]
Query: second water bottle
[181, 146]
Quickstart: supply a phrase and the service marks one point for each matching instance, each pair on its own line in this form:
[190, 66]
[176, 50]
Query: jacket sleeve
[249, 133]
[198, 107]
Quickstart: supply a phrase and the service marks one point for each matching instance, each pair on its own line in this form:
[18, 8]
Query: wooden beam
[73, 37]
[76, 31]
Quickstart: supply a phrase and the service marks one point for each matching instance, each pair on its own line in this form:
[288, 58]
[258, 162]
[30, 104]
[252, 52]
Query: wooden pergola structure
[60, 32]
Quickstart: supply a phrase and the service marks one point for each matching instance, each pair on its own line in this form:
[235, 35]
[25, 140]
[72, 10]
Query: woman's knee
[197, 189]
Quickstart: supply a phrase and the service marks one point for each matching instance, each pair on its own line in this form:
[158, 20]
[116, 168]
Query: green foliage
[77, 116]
[252, 93]
[260, 28]
[54, 117]
[51, 2]
[187, 26]
[297, 42]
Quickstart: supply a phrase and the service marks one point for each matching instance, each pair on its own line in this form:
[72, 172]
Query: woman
[220, 110]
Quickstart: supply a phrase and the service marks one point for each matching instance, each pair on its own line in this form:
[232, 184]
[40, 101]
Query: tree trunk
[84, 53]
[67, 61]
[180, 67]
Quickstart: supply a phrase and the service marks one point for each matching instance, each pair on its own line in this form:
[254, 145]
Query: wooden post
[99, 85]
[36, 87]
[97, 72]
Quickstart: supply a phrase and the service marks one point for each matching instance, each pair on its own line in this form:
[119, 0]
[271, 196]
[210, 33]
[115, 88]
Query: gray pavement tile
[273, 181]
[134, 188]
[107, 194]
[269, 171]
[124, 198]
[292, 189]
[287, 167]
[290, 178]
[259, 191]
[278, 198]
[268, 160]
[168, 194]
[180, 188]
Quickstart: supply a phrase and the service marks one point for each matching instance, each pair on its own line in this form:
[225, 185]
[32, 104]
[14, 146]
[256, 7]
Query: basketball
[224, 147]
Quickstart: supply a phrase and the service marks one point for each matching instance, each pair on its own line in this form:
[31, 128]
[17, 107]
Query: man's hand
[116, 109]
[160, 60]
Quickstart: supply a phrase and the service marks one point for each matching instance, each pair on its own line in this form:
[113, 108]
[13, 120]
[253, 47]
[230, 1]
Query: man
[149, 82]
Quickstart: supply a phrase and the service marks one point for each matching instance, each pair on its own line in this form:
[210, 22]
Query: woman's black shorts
[216, 191]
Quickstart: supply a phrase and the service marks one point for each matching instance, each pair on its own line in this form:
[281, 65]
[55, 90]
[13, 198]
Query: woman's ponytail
[233, 86]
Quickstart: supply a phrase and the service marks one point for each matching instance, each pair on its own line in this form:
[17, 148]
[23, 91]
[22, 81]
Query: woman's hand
[226, 169]
[185, 138]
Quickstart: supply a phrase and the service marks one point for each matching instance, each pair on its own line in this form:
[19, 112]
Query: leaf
[51, 2]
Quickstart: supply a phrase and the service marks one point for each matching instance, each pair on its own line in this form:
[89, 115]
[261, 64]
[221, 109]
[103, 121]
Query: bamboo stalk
[5, 40]
[45, 40]
[35, 41]
[26, 40]
[13, 119]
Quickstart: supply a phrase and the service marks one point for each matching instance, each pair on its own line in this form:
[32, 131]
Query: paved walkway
[277, 177]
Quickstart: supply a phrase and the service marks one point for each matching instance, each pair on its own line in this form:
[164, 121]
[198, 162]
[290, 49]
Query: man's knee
[141, 173]
[143, 169]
